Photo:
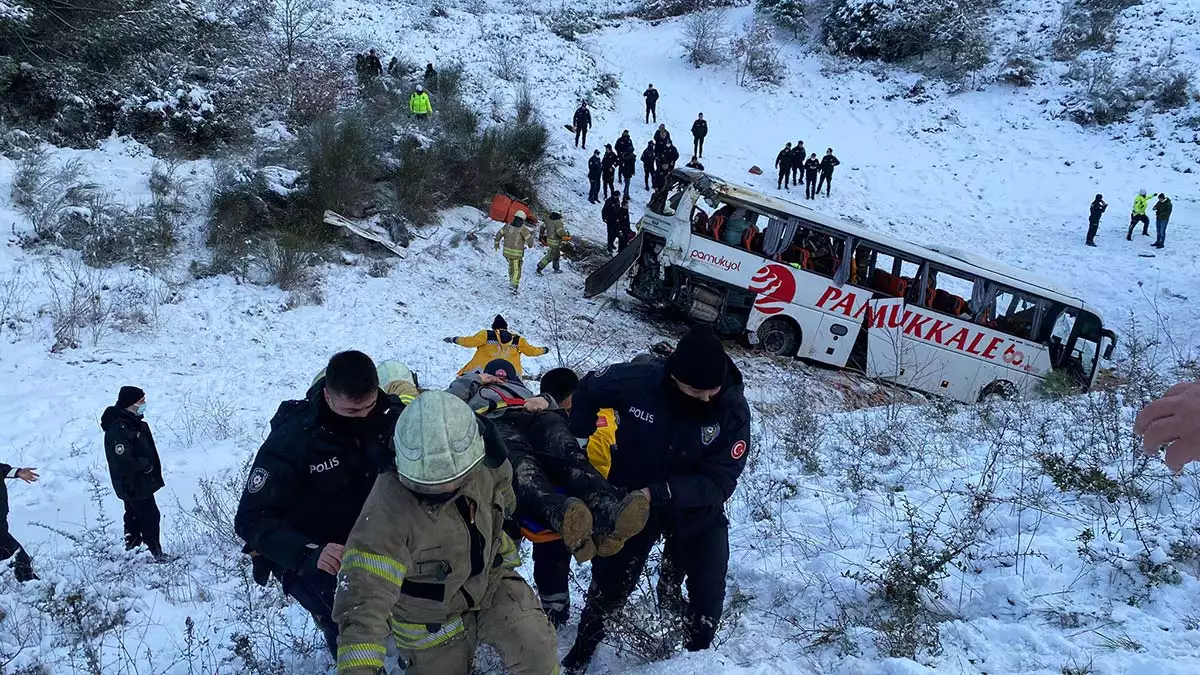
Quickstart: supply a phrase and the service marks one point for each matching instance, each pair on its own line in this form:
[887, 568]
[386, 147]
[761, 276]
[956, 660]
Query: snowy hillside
[923, 537]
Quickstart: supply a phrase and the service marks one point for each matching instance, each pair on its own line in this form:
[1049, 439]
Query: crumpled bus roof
[944, 255]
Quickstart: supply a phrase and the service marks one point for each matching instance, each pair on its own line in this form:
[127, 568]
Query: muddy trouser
[647, 172]
[545, 455]
[553, 255]
[551, 569]
[142, 524]
[1160, 228]
[313, 590]
[514, 269]
[608, 184]
[513, 623]
[698, 146]
[581, 132]
[593, 188]
[9, 546]
[1134, 219]
[826, 182]
[704, 558]
[651, 111]
[1093, 226]
[810, 185]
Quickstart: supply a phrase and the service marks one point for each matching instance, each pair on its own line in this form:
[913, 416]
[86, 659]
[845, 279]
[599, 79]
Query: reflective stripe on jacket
[418, 103]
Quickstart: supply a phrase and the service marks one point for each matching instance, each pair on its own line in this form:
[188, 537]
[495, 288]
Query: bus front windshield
[1075, 345]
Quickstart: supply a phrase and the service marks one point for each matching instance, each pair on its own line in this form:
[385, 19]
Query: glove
[448, 340]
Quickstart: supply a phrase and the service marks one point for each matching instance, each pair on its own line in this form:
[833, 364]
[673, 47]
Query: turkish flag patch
[738, 450]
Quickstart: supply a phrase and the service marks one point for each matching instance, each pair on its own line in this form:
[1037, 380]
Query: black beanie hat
[503, 369]
[699, 360]
[499, 323]
[128, 396]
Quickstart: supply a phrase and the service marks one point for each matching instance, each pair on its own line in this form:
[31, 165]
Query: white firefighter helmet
[393, 371]
[437, 440]
[519, 215]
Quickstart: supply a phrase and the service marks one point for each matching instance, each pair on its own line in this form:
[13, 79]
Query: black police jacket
[690, 461]
[312, 476]
[133, 463]
[5, 469]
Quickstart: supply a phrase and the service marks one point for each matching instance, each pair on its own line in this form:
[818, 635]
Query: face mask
[687, 405]
[141, 410]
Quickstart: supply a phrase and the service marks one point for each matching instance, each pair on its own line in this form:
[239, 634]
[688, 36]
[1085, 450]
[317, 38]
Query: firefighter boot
[620, 520]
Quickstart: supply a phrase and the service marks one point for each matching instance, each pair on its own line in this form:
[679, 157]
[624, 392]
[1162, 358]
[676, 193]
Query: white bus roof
[948, 257]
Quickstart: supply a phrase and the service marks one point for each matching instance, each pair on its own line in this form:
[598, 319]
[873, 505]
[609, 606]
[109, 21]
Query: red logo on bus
[775, 286]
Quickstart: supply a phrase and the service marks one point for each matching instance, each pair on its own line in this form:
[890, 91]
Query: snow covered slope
[987, 171]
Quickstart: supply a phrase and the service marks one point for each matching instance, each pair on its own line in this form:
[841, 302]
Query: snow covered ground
[989, 171]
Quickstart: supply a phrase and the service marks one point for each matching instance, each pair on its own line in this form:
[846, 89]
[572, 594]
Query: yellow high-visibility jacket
[497, 344]
[1140, 203]
[600, 444]
[418, 103]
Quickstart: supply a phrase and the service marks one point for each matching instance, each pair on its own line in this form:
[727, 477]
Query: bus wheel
[778, 336]
[1000, 390]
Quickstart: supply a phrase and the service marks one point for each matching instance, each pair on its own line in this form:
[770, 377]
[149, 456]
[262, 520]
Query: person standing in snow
[1162, 214]
[627, 169]
[608, 215]
[595, 168]
[373, 66]
[428, 564]
[811, 168]
[497, 343]
[651, 96]
[1140, 202]
[1097, 210]
[699, 131]
[799, 154]
[608, 167]
[828, 162]
[310, 479]
[624, 144]
[649, 158]
[516, 238]
[9, 546]
[430, 78]
[553, 234]
[783, 162]
[624, 232]
[684, 444]
[667, 156]
[661, 138]
[581, 122]
[134, 467]
[419, 105]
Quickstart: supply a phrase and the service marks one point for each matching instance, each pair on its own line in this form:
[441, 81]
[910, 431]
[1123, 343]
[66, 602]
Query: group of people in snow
[516, 236]
[1162, 217]
[794, 164]
[391, 511]
[368, 67]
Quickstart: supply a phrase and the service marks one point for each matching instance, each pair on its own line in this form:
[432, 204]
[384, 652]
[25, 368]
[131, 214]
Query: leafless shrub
[78, 302]
[378, 268]
[507, 60]
[14, 291]
[703, 37]
[757, 55]
[285, 263]
[43, 192]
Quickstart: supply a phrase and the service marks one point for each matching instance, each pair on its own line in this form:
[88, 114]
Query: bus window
[664, 202]
[883, 272]
[950, 293]
[1075, 344]
[815, 251]
[1014, 313]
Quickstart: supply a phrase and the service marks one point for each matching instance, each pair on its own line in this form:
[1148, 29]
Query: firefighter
[134, 467]
[553, 234]
[683, 436]
[428, 561]
[9, 546]
[497, 343]
[516, 237]
[310, 478]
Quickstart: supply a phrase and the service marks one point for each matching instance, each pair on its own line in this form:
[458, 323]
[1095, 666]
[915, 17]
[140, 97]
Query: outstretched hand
[28, 475]
[1172, 421]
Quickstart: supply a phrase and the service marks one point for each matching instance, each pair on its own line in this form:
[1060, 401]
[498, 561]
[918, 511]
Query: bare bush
[78, 305]
[703, 37]
[1087, 24]
[284, 262]
[951, 30]
[43, 192]
[14, 291]
[293, 22]
[757, 54]
[506, 58]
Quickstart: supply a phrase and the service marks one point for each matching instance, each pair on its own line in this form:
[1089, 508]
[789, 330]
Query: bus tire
[1000, 390]
[779, 336]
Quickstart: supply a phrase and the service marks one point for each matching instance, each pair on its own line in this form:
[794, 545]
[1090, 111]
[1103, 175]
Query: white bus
[798, 283]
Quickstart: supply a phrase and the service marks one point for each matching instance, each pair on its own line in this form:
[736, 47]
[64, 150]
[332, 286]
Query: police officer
[683, 434]
[134, 467]
[310, 479]
[9, 546]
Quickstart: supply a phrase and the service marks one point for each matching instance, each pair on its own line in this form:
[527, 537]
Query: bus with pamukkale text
[795, 282]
